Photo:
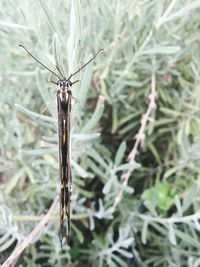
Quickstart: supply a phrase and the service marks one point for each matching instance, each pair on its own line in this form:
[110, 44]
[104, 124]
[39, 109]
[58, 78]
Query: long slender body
[64, 98]
[64, 101]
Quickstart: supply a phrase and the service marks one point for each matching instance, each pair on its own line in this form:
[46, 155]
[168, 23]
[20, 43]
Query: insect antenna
[100, 51]
[59, 70]
[39, 62]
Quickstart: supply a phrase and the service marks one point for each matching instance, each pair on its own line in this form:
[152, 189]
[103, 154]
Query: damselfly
[64, 103]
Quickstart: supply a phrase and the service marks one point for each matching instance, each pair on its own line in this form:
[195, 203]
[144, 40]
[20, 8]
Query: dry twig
[27, 240]
[139, 137]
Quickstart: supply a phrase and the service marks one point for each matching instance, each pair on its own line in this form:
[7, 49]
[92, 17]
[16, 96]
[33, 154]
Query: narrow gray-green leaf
[161, 50]
[75, 34]
[128, 166]
[7, 244]
[50, 18]
[47, 97]
[182, 12]
[81, 172]
[57, 53]
[82, 91]
[13, 181]
[178, 206]
[120, 153]
[172, 236]
[85, 137]
[35, 115]
[40, 152]
[94, 119]
[144, 232]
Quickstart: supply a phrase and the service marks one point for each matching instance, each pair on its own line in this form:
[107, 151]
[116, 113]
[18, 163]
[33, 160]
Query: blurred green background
[156, 222]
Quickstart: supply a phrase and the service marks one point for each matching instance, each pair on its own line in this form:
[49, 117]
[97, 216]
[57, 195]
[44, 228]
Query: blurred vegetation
[157, 221]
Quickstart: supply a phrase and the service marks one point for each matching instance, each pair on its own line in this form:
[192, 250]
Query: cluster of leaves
[157, 220]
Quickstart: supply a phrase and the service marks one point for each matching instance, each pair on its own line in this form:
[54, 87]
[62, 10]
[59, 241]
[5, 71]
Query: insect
[64, 104]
